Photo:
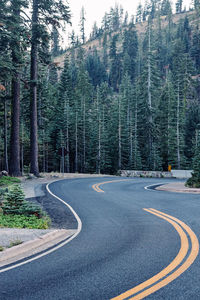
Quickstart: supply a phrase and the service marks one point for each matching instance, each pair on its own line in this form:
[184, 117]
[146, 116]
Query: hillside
[140, 29]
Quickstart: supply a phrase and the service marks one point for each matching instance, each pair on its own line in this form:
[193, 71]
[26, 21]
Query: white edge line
[57, 247]
[148, 186]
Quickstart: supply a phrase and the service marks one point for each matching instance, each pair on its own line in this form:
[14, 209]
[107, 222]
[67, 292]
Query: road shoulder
[177, 187]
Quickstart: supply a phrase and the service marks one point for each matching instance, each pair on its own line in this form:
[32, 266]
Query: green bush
[3, 191]
[7, 180]
[15, 203]
[14, 199]
[21, 221]
[194, 182]
[15, 243]
[19, 213]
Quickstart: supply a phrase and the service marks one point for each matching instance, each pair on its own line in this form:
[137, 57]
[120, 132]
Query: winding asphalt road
[120, 246]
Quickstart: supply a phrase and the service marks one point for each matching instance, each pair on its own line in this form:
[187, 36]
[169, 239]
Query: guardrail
[156, 174]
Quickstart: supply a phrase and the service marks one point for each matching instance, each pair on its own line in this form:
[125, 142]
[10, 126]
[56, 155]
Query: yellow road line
[97, 188]
[178, 259]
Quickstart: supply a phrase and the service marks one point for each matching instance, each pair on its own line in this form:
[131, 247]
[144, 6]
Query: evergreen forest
[127, 97]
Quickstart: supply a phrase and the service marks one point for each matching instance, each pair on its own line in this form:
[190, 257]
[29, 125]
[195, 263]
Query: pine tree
[179, 4]
[82, 98]
[95, 68]
[130, 49]
[191, 128]
[55, 37]
[182, 84]
[82, 24]
[149, 94]
[195, 49]
[194, 181]
[116, 67]
[164, 120]
[17, 61]
[55, 12]
[166, 8]
[139, 13]
[63, 121]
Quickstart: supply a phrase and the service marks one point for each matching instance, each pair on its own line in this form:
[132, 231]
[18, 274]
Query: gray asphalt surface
[120, 245]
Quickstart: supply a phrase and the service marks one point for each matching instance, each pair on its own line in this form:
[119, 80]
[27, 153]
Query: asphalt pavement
[120, 245]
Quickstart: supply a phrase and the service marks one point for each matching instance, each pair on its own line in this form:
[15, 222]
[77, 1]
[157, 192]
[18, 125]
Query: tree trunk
[67, 137]
[15, 128]
[99, 149]
[178, 129]
[131, 142]
[5, 137]
[15, 106]
[22, 149]
[44, 152]
[84, 136]
[150, 101]
[33, 104]
[76, 146]
[119, 139]
[135, 135]
[99, 139]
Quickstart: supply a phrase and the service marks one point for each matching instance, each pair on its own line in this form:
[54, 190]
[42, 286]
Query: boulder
[3, 173]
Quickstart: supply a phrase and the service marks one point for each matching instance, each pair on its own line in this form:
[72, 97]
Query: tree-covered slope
[128, 98]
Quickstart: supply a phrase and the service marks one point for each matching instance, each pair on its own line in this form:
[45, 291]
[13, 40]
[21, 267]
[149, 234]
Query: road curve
[122, 251]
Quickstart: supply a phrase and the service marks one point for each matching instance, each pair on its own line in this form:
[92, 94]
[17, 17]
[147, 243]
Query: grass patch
[22, 221]
[1, 248]
[15, 243]
[7, 180]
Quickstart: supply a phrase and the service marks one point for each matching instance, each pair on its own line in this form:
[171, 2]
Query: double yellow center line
[175, 268]
[97, 188]
[185, 257]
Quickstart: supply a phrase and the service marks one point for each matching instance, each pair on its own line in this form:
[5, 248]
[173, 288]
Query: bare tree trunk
[44, 153]
[99, 149]
[15, 107]
[33, 105]
[67, 136]
[67, 148]
[99, 139]
[135, 135]
[22, 148]
[5, 137]
[84, 137]
[15, 128]
[47, 158]
[119, 139]
[76, 146]
[178, 129]
[149, 71]
[150, 100]
[131, 142]
[63, 160]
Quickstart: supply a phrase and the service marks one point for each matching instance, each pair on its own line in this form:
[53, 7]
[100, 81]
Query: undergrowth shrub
[7, 180]
[19, 213]
[15, 203]
[21, 221]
